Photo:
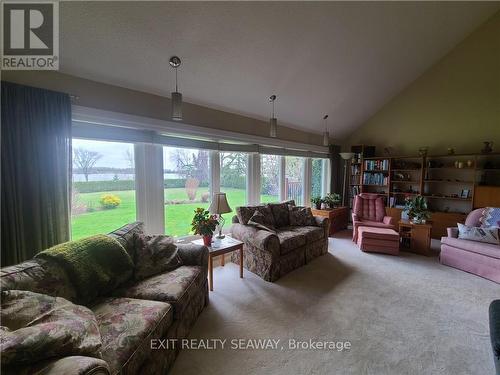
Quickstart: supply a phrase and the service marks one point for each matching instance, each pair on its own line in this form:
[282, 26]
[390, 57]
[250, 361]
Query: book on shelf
[375, 179]
[377, 165]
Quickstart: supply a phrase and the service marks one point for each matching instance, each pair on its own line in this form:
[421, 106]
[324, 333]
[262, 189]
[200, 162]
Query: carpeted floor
[402, 315]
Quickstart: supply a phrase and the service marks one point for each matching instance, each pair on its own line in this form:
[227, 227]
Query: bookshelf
[356, 170]
[453, 184]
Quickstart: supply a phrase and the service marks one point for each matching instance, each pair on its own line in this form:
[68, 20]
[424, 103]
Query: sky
[113, 153]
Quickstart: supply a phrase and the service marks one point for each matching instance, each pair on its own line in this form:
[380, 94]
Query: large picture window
[186, 187]
[233, 179]
[270, 178]
[103, 193]
[294, 183]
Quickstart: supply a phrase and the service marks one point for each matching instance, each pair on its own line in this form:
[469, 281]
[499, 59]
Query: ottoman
[378, 240]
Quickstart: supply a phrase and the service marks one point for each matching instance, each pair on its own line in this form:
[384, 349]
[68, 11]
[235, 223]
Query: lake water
[77, 177]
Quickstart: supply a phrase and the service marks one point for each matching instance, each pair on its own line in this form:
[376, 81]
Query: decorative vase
[456, 164]
[469, 163]
[487, 147]
[207, 240]
[460, 164]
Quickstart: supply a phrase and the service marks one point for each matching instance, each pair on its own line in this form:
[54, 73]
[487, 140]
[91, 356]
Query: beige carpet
[402, 315]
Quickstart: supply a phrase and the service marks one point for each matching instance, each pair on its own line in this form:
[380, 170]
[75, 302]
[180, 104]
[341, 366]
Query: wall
[113, 98]
[456, 103]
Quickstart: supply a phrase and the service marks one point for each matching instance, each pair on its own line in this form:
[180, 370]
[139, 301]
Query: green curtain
[36, 175]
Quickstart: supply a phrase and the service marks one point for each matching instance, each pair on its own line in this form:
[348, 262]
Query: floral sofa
[281, 248]
[163, 306]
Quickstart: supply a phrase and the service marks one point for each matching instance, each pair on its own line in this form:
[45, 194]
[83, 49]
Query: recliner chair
[369, 211]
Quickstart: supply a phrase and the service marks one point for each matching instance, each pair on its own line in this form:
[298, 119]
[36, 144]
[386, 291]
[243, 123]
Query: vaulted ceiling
[345, 59]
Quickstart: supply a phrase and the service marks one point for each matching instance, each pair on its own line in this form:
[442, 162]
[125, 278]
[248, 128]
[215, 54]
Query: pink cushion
[378, 233]
[486, 249]
[471, 262]
[378, 240]
[369, 206]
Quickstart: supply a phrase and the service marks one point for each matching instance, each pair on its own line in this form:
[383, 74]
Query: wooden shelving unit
[441, 179]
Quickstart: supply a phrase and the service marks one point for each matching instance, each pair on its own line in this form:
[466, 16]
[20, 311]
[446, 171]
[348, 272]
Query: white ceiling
[344, 59]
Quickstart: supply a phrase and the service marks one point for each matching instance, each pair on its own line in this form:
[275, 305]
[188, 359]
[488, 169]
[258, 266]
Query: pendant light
[272, 121]
[326, 135]
[176, 97]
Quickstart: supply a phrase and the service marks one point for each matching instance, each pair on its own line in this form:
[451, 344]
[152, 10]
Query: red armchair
[369, 211]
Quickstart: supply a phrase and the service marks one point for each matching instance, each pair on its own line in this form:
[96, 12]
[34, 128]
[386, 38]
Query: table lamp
[218, 207]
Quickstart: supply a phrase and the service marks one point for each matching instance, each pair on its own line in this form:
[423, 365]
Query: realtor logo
[30, 35]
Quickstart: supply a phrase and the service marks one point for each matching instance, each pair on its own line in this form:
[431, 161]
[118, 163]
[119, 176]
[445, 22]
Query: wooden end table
[415, 237]
[227, 245]
[339, 217]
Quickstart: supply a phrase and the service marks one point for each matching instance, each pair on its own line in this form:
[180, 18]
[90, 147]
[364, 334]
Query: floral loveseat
[286, 243]
[163, 306]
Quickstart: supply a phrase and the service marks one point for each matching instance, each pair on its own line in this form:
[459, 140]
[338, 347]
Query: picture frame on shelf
[465, 193]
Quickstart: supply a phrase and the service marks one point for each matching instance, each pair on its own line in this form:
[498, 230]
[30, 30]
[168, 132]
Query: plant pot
[318, 206]
[207, 240]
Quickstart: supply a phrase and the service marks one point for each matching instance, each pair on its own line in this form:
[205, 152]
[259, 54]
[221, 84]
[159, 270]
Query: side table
[415, 237]
[226, 245]
[339, 218]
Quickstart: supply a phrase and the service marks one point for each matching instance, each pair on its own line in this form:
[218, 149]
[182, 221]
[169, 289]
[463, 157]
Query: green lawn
[177, 216]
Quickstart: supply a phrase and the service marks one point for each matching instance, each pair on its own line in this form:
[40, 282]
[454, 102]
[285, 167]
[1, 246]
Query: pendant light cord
[176, 89]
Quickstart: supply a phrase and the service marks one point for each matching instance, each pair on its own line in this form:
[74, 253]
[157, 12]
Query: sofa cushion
[153, 255]
[40, 277]
[290, 240]
[487, 235]
[175, 287]
[261, 221]
[312, 233]
[301, 216]
[125, 236]
[280, 213]
[487, 249]
[37, 326]
[127, 326]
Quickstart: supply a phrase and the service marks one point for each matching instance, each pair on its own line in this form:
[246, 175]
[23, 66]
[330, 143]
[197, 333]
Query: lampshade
[219, 204]
[346, 155]
[176, 106]
[273, 122]
[326, 139]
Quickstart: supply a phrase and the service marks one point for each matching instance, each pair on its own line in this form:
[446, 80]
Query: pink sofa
[369, 211]
[479, 258]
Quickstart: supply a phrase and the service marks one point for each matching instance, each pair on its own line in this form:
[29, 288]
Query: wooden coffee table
[227, 245]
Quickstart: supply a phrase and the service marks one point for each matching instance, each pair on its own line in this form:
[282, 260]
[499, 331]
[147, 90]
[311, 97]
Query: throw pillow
[244, 213]
[154, 254]
[301, 216]
[36, 327]
[490, 217]
[259, 220]
[488, 235]
[280, 213]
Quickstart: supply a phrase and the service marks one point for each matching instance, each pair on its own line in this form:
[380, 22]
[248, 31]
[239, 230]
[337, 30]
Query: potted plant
[204, 224]
[316, 201]
[417, 210]
[332, 200]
